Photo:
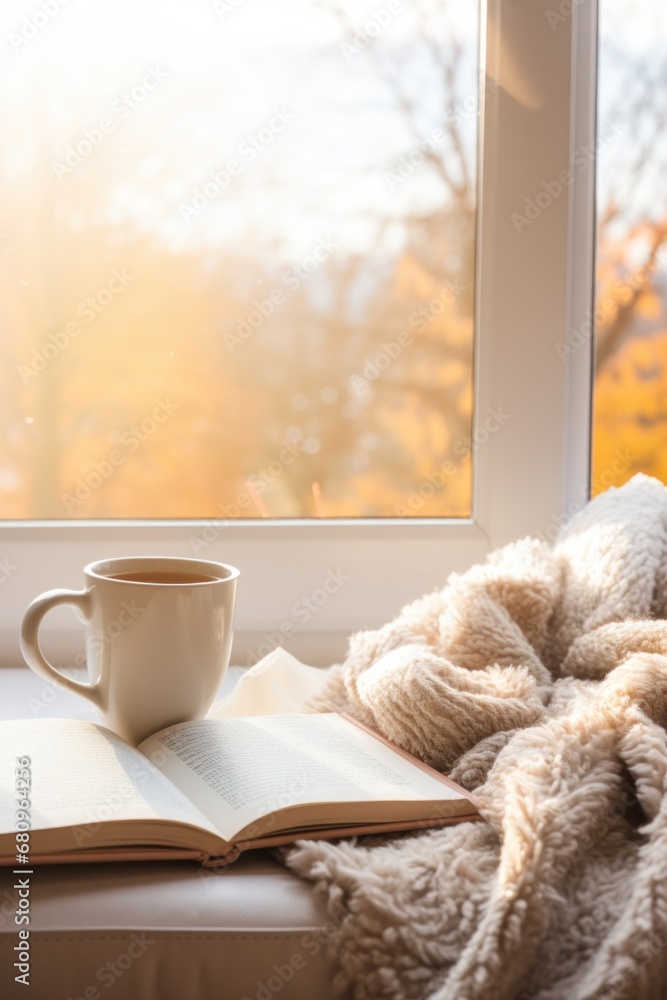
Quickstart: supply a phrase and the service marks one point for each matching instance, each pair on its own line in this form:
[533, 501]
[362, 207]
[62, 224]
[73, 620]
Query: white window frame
[531, 287]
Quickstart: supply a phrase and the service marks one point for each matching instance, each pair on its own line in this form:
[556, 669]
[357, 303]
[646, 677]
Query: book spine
[223, 860]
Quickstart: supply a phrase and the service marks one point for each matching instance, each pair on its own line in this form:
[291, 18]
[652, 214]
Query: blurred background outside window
[237, 248]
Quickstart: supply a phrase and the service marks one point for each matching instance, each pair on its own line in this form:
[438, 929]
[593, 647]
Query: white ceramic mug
[158, 639]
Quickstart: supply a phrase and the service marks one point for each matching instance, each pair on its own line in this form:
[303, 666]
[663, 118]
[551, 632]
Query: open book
[210, 789]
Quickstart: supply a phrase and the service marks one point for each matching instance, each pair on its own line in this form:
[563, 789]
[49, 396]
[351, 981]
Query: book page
[238, 770]
[82, 775]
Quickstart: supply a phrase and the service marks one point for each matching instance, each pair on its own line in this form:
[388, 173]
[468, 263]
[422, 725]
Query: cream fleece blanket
[538, 680]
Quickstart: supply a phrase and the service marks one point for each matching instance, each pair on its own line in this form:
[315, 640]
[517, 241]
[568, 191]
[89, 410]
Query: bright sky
[229, 65]
[632, 70]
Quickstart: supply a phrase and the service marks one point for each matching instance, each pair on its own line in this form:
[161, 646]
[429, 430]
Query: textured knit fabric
[539, 681]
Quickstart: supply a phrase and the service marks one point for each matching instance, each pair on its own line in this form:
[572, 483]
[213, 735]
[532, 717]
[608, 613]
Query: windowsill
[24, 695]
[317, 648]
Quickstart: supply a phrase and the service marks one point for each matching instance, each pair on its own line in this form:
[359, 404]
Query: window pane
[237, 258]
[630, 402]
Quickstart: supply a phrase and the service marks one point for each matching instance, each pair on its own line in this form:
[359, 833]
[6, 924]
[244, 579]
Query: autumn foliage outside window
[630, 399]
[237, 258]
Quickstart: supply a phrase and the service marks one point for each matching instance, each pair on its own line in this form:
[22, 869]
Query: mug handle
[31, 649]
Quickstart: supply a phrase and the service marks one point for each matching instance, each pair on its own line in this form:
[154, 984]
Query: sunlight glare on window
[237, 245]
